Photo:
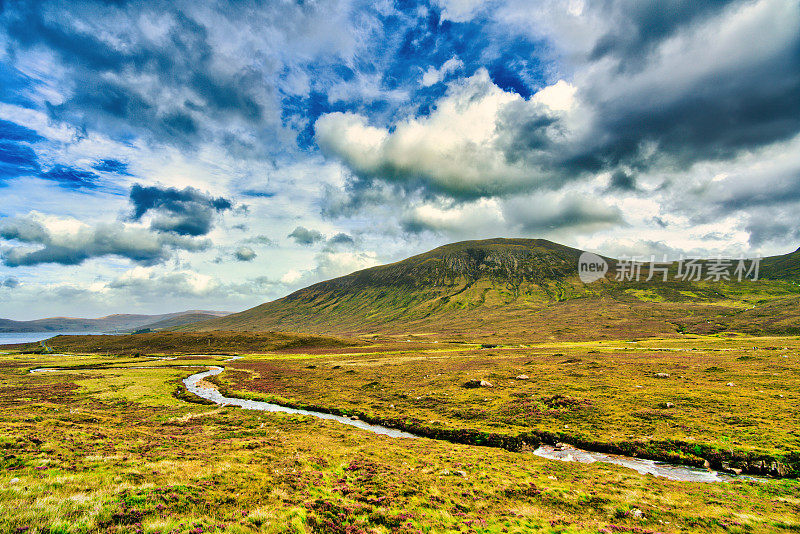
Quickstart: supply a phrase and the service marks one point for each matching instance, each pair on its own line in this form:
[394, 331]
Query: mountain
[110, 323]
[525, 289]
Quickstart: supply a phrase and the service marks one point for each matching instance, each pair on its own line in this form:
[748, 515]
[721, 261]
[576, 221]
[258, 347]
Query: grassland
[105, 447]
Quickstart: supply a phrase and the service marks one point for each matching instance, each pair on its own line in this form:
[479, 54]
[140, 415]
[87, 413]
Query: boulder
[522, 377]
[662, 375]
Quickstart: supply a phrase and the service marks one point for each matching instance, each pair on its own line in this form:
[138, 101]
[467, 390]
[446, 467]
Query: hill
[110, 323]
[526, 289]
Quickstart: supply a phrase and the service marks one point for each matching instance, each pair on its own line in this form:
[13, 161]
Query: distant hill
[110, 323]
[524, 288]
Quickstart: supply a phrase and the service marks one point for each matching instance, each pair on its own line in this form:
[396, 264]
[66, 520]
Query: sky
[157, 156]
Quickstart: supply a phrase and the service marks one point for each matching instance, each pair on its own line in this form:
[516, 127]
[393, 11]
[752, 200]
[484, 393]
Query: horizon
[220, 157]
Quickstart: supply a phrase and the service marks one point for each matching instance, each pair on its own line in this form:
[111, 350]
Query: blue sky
[159, 156]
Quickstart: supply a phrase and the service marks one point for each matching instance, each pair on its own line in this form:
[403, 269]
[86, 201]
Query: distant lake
[7, 338]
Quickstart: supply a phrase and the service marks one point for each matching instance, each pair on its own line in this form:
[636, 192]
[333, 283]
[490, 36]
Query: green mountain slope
[523, 288]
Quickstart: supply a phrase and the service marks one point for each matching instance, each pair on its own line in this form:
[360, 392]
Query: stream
[194, 385]
[565, 453]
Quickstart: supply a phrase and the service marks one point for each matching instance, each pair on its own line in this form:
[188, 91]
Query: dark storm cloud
[774, 226]
[186, 211]
[622, 180]
[641, 24]
[305, 236]
[39, 245]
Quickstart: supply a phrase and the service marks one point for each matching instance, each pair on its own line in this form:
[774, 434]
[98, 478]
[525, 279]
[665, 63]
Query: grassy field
[108, 448]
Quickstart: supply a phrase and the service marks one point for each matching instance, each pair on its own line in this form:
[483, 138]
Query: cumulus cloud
[305, 236]
[654, 95]
[186, 212]
[42, 239]
[245, 254]
[453, 151]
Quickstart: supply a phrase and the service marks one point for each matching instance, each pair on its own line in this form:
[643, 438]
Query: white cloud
[432, 76]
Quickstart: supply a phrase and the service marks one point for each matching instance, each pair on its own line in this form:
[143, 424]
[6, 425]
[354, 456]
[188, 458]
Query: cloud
[330, 264]
[452, 151]
[10, 282]
[69, 242]
[260, 239]
[304, 236]
[186, 212]
[548, 214]
[652, 92]
[433, 75]
[245, 254]
[341, 239]
[622, 180]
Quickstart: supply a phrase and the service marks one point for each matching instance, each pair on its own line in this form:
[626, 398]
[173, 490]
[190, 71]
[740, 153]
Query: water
[9, 338]
[645, 467]
[192, 384]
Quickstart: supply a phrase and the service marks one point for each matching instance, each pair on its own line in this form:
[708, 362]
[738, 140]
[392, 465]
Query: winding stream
[196, 385]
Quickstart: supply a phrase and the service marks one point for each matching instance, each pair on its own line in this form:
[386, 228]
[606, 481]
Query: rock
[667, 405]
[730, 384]
[636, 513]
[13, 481]
[736, 471]
[662, 375]
[477, 384]
[522, 377]
[560, 446]
[706, 464]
